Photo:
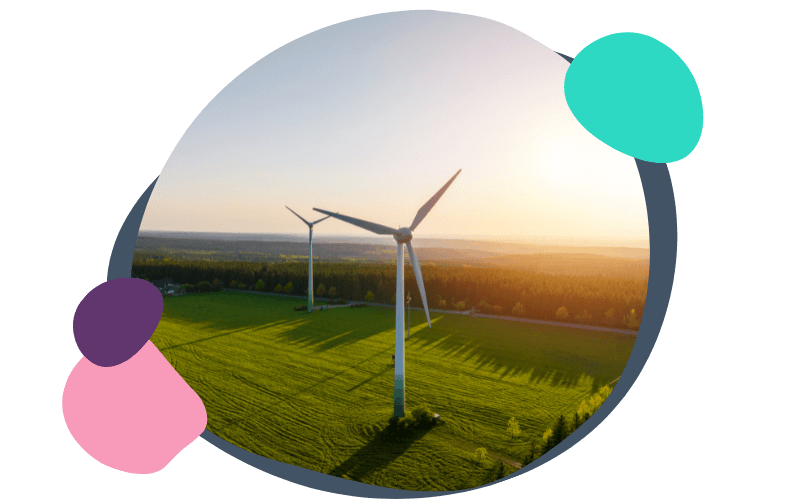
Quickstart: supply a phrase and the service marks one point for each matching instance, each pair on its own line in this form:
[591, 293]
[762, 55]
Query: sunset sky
[371, 117]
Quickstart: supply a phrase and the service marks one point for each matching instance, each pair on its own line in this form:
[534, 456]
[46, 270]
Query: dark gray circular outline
[663, 229]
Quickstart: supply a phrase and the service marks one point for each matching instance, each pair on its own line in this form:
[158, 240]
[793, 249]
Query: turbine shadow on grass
[384, 448]
[539, 353]
[365, 382]
[275, 406]
[334, 329]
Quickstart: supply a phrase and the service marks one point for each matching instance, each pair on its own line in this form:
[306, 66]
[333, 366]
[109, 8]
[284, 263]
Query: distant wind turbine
[402, 235]
[310, 259]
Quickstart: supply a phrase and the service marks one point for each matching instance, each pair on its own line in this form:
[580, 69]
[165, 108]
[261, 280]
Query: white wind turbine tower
[402, 235]
[310, 259]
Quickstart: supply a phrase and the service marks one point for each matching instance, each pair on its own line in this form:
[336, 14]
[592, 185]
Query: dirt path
[553, 323]
[521, 320]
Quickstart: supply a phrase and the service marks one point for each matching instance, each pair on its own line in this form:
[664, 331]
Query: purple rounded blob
[116, 319]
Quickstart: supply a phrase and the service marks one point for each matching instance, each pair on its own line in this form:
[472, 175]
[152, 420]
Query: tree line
[566, 425]
[558, 432]
[610, 299]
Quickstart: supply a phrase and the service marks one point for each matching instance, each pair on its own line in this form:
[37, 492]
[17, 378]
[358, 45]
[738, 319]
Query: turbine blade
[428, 206]
[418, 274]
[322, 219]
[369, 226]
[302, 219]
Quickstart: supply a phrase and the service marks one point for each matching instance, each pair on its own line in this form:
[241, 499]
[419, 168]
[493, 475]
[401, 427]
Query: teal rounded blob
[636, 95]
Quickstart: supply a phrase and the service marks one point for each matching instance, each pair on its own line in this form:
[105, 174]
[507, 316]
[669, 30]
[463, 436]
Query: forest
[573, 288]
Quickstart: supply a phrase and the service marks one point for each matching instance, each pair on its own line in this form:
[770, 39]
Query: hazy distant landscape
[232, 247]
[496, 244]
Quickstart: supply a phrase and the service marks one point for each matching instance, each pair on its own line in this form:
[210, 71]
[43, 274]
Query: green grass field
[316, 390]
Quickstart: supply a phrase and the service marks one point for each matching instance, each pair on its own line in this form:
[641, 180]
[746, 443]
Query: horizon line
[565, 241]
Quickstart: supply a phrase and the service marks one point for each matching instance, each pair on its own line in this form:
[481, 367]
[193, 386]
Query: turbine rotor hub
[405, 235]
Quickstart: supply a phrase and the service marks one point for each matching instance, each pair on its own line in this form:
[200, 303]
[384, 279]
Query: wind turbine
[310, 259]
[402, 235]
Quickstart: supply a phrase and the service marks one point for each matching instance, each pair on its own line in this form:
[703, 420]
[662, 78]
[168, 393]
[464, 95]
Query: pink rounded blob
[135, 416]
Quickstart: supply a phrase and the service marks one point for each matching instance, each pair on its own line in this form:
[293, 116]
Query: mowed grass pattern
[316, 390]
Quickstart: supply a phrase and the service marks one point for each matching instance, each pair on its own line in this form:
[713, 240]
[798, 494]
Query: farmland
[315, 390]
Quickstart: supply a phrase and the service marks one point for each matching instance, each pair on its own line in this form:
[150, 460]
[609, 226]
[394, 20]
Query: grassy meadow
[316, 390]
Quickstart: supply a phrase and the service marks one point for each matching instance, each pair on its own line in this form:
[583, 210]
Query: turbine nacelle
[403, 235]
